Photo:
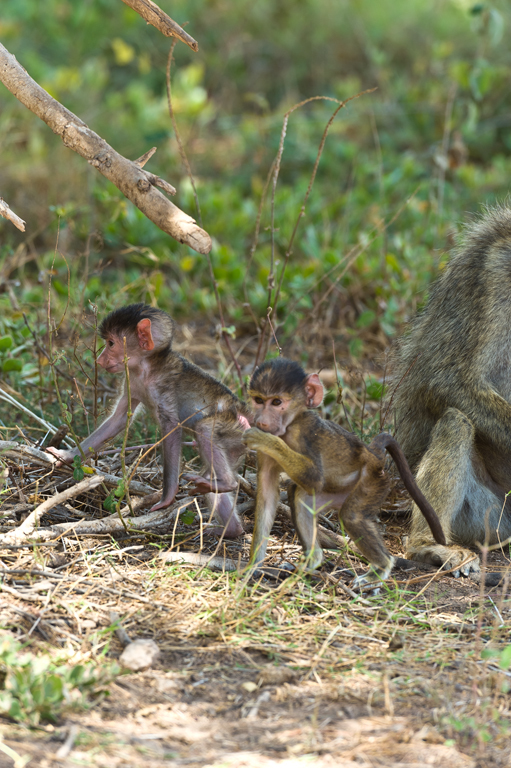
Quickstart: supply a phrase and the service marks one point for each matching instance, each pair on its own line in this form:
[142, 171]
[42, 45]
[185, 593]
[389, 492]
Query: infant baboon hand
[256, 439]
[64, 457]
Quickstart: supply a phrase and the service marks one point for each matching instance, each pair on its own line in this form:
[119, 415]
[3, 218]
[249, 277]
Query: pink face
[275, 413]
[112, 357]
[271, 414]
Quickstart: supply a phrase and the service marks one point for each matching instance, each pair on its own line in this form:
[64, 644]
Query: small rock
[88, 624]
[249, 686]
[276, 675]
[141, 654]
[56, 559]
[396, 642]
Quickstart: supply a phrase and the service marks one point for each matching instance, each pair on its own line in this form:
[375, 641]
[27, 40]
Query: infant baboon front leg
[448, 478]
[303, 509]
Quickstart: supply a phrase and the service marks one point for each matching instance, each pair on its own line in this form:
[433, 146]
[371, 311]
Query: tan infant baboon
[453, 398]
[330, 468]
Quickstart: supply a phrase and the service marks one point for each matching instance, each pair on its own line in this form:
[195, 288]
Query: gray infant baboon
[453, 402]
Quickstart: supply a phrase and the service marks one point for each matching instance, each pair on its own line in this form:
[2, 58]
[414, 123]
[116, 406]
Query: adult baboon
[453, 398]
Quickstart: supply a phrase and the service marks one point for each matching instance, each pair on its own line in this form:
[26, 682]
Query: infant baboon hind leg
[359, 517]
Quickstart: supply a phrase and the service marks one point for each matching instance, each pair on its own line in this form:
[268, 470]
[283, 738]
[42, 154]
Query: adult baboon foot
[463, 560]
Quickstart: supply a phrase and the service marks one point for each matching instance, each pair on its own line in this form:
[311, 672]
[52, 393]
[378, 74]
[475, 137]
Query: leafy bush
[386, 200]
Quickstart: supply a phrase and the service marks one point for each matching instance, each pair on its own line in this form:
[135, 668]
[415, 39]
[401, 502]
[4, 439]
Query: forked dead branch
[129, 177]
[155, 16]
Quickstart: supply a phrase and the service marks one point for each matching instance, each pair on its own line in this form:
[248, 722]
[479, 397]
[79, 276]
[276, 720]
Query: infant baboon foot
[375, 575]
[232, 531]
[203, 485]
[367, 584]
[313, 560]
[464, 561]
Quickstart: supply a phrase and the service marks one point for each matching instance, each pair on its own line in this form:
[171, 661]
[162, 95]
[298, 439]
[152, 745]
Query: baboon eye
[110, 342]
[276, 401]
[258, 400]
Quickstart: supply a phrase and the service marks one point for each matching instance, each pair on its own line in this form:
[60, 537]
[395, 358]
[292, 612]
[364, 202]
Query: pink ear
[313, 390]
[145, 337]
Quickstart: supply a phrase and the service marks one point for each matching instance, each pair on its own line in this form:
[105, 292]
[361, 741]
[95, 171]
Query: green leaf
[60, 288]
[119, 491]
[12, 365]
[374, 390]
[109, 503]
[187, 517]
[78, 474]
[366, 318]
[505, 658]
[5, 342]
[77, 674]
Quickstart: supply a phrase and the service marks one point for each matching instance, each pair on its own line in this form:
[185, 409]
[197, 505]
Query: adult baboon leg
[449, 477]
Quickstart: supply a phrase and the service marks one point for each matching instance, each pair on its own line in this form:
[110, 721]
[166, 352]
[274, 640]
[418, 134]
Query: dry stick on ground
[46, 424]
[6, 212]
[222, 564]
[79, 581]
[137, 185]
[11, 449]
[27, 528]
[155, 16]
[113, 524]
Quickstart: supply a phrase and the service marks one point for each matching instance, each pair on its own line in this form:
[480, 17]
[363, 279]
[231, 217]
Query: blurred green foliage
[35, 689]
[430, 144]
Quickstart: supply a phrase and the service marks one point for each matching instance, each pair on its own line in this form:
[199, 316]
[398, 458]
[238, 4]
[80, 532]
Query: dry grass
[257, 674]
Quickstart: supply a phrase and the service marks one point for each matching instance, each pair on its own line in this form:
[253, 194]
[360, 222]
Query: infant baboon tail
[384, 441]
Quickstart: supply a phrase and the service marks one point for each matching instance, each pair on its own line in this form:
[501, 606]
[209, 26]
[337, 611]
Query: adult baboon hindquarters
[453, 398]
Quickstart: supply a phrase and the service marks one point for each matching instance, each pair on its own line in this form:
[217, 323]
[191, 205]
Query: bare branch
[111, 524]
[135, 183]
[155, 16]
[27, 528]
[141, 161]
[6, 212]
[14, 450]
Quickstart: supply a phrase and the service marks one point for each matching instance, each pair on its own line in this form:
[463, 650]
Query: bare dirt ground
[263, 675]
[275, 673]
